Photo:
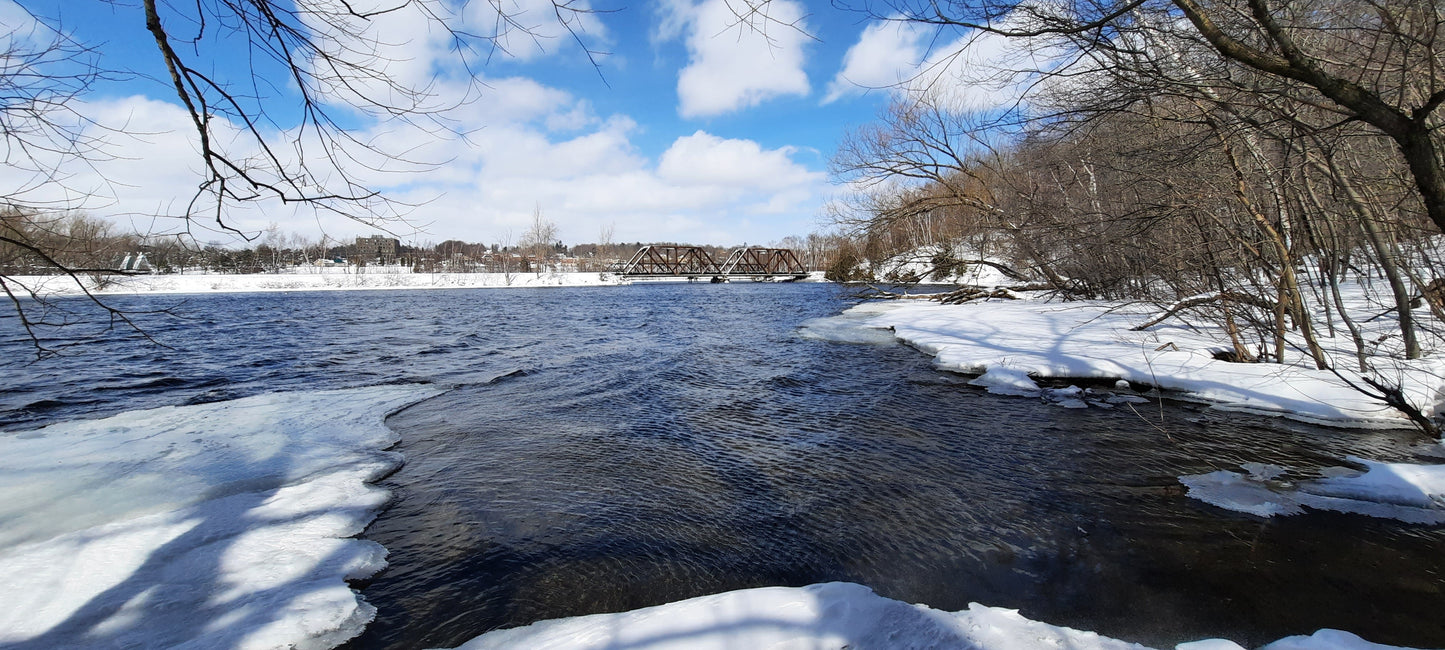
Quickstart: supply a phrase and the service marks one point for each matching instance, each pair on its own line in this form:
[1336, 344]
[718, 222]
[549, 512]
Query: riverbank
[225, 521]
[1013, 344]
[330, 280]
[1020, 347]
[231, 524]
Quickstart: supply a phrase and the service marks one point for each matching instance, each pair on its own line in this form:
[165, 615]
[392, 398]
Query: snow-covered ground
[224, 525]
[830, 615]
[834, 616]
[1011, 344]
[231, 524]
[331, 281]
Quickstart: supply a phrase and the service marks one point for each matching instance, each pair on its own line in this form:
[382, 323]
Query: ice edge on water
[227, 524]
[1404, 491]
[835, 615]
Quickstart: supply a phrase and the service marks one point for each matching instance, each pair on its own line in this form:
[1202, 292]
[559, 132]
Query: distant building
[377, 248]
[136, 262]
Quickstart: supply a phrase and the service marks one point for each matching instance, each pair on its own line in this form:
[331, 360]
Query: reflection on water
[606, 449]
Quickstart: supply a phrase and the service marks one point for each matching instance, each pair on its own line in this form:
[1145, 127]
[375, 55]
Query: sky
[682, 126]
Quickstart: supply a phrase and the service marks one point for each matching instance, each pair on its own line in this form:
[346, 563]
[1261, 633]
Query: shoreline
[1007, 345]
[46, 286]
[183, 284]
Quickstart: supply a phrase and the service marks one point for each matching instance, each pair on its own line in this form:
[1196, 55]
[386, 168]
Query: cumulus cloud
[474, 174]
[702, 188]
[530, 29]
[886, 54]
[734, 63]
[705, 159]
[425, 53]
[970, 70]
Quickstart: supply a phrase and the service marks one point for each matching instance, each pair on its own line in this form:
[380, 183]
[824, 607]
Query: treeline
[1170, 172]
[47, 244]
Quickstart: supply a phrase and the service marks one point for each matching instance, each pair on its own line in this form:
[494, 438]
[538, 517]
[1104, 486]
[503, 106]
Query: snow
[835, 616]
[1407, 492]
[1092, 340]
[312, 281]
[1325, 640]
[231, 524]
[1011, 345]
[918, 263]
[213, 525]
[1001, 380]
[829, 615]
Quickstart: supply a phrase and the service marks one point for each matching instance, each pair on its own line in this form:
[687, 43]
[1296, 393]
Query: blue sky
[688, 130]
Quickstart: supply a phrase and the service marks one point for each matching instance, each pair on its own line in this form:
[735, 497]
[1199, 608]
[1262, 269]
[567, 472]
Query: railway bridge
[693, 263]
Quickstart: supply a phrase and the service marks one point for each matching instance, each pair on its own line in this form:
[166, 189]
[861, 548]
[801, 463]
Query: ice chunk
[1233, 491]
[1060, 394]
[1262, 471]
[846, 328]
[1006, 381]
[1403, 491]
[1421, 486]
[1128, 399]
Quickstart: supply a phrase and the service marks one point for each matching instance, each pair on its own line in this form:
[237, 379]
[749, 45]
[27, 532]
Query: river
[603, 449]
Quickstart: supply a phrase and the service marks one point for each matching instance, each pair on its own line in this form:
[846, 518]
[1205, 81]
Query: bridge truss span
[668, 261]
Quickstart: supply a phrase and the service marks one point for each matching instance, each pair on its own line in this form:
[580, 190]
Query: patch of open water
[606, 449]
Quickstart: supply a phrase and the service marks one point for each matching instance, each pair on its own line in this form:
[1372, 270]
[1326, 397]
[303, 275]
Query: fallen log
[1199, 301]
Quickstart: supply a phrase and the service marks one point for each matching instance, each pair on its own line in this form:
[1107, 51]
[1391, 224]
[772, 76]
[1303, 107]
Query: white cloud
[428, 50]
[886, 54]
[702, 159]
[702, 189]
[516, 144]
[529, 29]
[736, 64]
[971, 70]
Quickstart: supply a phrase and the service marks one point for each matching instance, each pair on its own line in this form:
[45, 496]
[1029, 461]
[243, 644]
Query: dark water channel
[606, 449]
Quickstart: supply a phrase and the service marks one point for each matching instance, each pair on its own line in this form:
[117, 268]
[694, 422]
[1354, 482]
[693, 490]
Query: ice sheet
[214, 525]
[1407, 492]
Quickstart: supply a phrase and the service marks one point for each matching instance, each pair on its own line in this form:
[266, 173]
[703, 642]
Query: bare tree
[278, 130]
[539, 239]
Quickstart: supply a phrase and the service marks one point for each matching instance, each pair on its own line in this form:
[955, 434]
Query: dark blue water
[611, 448]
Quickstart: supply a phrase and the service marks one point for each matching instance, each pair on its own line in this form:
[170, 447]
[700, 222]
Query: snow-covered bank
[834, 616]
[1011, 344]
[1007, 340]
[830, 615]
[226, 525]
[264, 282]
[213, 525]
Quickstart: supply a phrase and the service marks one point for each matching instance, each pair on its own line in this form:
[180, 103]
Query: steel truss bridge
[694, 263]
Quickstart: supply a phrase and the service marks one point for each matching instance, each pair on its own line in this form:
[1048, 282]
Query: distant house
[378, 248]
[135, 263]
